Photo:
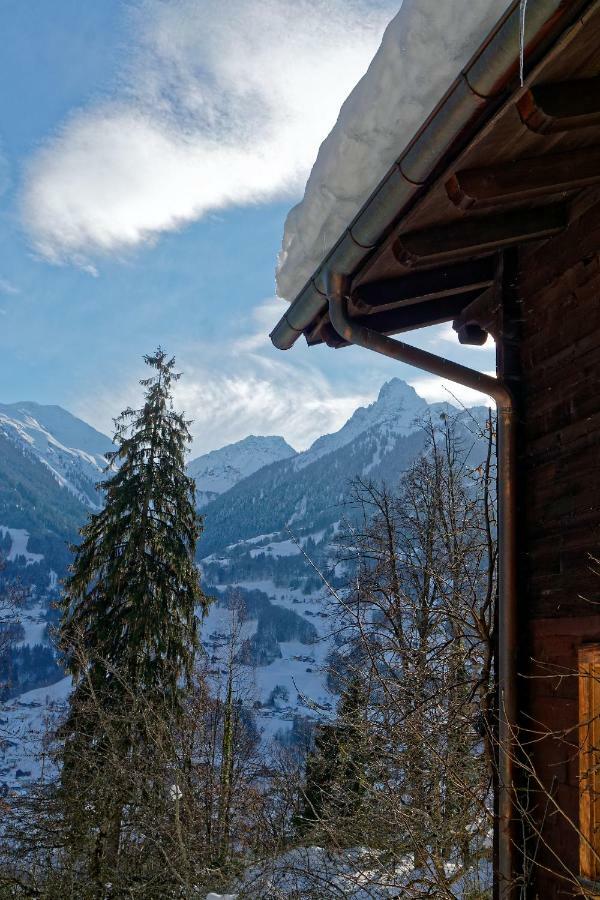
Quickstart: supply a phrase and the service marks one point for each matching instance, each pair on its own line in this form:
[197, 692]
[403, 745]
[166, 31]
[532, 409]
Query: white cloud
[248, 389]
[7, 287]
[220, 104]
[436, 390]
[255, 389]
[296, 402]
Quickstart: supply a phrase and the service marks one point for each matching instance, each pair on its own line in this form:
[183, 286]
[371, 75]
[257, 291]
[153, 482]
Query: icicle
[522, 14]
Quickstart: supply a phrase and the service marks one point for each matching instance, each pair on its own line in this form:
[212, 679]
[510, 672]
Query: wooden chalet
[490, 219]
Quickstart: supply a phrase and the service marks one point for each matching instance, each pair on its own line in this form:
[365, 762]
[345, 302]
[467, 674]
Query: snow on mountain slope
[72, 450]
[307, 490]
[217, 471]
[395, 412]
[25, 720]
[19, 540]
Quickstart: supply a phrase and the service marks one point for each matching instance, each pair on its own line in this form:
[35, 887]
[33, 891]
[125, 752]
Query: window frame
[589, 762]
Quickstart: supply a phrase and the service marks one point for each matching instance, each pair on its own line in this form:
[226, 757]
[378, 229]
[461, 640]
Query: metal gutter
[471, 99]
[353, 333]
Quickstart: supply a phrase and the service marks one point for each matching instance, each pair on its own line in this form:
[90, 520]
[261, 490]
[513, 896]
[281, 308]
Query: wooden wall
[559, 300]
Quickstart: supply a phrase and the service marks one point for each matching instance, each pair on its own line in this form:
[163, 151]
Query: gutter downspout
[338, 290]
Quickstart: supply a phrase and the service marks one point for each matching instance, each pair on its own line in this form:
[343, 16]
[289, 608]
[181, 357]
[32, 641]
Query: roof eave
[468, 104]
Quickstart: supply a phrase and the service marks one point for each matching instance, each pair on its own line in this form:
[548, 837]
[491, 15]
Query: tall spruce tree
[129, 625]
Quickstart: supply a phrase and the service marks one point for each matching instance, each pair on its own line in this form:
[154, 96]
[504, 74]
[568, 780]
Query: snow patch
[396, 411]
[220, 470]
[20, 539]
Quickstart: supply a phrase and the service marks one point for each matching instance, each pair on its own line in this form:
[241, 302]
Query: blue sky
[149, 153]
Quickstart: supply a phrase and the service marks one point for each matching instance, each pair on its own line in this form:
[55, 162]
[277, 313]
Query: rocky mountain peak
[219, 470]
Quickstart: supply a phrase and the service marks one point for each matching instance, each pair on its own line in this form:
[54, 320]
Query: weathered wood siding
[559, 299]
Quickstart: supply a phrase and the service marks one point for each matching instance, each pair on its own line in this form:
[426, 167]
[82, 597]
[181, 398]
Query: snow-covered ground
[23, 722]
[20, 539]
[33, 621]
[277, 549]
[299, 671]
[423, 49]
[359, 873]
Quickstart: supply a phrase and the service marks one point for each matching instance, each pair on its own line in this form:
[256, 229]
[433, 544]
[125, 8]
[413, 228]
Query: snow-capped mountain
[395, 412]
[308, 489]
[72, 450]
[253, 494]
[219, 470]
[261, 533]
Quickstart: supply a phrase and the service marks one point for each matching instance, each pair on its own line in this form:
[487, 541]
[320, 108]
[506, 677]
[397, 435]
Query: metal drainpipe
[337, 290]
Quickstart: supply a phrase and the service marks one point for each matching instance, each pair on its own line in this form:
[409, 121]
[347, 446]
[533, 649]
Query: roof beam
[525, 178]
[402, 318]
[564, 106]
[421, 286]
[479, 235]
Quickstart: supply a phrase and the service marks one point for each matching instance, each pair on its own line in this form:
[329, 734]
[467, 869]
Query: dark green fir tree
[337, 771]
[129, 626]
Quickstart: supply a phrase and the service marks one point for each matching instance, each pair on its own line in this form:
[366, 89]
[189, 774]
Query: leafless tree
[407, 767]
[186, 803]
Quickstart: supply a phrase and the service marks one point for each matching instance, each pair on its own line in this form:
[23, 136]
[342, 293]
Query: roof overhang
[496, 164]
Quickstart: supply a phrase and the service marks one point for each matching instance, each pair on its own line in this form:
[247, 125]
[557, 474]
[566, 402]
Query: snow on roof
[423, 50]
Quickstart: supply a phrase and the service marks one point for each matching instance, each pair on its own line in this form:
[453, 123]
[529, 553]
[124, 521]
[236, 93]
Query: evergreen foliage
[129, 626]
[133, 587]
[337, 769]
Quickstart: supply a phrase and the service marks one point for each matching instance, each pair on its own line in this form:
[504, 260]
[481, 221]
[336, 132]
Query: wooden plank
[418, 315]
[525, 178]
[579, 435]
[429, 284]
[479, 235]
[589, 757]
[576, 629]
[562, 106]
[547, 264]
[576, 344]
[404, 318]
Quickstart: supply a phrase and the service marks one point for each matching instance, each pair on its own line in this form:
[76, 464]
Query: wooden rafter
[525, 178]
[563, 106]
[418, 287]
[479, 235]
[402, 318]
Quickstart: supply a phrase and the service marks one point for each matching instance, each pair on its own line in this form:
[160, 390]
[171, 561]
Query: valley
[271, 516]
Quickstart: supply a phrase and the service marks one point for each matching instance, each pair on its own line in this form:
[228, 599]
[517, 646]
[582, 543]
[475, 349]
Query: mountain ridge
[219, 470]
[267, 511]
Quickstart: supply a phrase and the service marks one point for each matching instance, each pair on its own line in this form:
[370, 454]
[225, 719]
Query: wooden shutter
[589, 761]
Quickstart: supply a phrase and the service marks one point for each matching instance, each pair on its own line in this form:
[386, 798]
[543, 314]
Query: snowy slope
[396, 411]
[19, 541]
[306, 491]
[246, 544]
[219, 470]
[24, 720]
[72, 450]
[423, 49]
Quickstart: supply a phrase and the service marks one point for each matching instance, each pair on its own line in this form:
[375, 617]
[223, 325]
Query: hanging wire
[522, 14]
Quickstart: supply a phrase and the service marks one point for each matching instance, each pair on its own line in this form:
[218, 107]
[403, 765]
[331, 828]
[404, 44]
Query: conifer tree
[129, 625]
[337, 769]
